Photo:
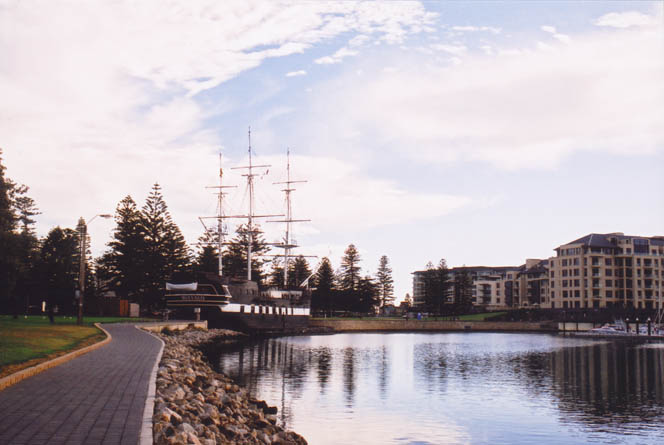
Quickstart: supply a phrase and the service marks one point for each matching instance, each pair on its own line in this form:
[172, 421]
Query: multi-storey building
[608, 270]
[489, 288]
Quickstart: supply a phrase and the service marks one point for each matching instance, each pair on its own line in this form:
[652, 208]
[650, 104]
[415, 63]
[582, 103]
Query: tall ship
[240, 303]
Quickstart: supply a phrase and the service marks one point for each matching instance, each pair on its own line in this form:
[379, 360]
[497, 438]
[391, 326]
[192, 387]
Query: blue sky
[480, 132]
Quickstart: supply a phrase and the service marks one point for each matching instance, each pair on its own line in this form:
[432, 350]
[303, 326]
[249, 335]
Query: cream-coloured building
[608, 270]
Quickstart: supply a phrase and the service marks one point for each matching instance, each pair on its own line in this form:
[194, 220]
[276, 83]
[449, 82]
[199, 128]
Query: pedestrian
[50, 314]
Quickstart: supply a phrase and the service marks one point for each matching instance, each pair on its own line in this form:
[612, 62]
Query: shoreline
[197, 405]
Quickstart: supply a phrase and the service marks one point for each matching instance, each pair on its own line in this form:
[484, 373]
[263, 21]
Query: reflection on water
[457, 388]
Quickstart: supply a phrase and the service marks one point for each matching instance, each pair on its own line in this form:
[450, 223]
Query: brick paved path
[96, 398]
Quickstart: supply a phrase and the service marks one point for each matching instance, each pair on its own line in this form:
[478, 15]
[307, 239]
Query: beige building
[608, 270]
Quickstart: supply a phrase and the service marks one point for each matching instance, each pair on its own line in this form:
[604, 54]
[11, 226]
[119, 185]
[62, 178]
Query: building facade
[608, 270]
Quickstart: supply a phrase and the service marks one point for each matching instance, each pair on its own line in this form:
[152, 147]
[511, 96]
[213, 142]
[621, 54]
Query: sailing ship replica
[240, 303]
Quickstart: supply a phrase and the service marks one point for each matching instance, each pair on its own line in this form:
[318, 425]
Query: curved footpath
[97, 398]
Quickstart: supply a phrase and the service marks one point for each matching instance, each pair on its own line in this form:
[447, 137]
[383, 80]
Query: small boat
[610, 329]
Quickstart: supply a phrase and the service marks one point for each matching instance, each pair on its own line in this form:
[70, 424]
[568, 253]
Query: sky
[484, 133]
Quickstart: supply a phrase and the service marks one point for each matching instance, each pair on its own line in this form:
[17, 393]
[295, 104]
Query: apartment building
[489, 287]
[608, 270]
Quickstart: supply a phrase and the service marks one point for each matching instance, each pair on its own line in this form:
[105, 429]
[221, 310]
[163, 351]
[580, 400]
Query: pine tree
[322, 296]
[18, 243]
[368, 296]
[298, 272]
[463, 291]
[385, 281]
[443, 285]
[122, 269]
[166, 252]
[8, 242]
[437, 286]
[235, 257]
[57, 268]
[207, 259]
[277, 273]
[349, 278]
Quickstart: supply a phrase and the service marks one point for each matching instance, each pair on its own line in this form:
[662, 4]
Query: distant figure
[419, 316]
[50, 314]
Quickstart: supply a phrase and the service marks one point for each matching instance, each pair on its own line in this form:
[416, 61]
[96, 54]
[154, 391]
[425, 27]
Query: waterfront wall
[430, 325]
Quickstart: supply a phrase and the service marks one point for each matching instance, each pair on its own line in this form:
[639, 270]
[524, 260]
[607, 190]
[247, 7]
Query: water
[457, 388]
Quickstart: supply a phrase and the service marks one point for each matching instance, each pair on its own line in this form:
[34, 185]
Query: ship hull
[257, 323]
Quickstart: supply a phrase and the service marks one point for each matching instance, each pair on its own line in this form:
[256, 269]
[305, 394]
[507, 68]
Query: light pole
[83, 229]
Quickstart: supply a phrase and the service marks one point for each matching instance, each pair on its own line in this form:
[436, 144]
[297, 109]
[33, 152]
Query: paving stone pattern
[97, 398]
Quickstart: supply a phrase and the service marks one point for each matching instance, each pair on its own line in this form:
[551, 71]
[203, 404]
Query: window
[564, 263]
[608, 272]
[564, 283]
[552, 274]
[607, 261]
[609, 294]
[577, 294]
[609, 283]
[564, 272]
[564, 294]
[576, 272]
[576, 283]
[576, 261]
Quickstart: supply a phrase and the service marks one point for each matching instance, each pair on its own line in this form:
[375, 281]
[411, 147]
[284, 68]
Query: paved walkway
[97, 398]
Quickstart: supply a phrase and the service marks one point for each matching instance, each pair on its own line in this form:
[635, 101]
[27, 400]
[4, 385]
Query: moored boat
[239, 303]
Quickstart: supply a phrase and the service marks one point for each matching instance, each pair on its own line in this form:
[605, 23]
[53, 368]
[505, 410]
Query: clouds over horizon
[598, 91]
[114, 96]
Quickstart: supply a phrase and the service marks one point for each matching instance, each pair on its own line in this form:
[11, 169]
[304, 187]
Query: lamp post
[83, 229]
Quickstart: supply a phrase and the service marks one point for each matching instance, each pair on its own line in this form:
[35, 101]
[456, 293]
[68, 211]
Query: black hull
[256, 323]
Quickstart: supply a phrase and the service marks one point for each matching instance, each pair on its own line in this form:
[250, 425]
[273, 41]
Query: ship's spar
[287, 243]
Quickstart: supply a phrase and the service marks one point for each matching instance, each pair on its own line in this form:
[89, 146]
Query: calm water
[477, 388]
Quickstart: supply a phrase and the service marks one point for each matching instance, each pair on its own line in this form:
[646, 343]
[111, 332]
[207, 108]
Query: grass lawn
[481, 317]
[25, 342]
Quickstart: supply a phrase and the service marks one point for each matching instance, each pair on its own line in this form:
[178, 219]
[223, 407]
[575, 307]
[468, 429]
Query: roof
[605, 239]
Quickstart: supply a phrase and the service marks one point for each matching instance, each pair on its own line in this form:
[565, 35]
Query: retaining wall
[426, 325]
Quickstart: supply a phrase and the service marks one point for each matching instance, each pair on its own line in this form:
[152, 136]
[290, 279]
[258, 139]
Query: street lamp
[83, 228]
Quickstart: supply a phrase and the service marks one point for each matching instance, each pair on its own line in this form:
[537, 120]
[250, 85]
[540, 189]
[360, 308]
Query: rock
[196, 405]
[191, 438]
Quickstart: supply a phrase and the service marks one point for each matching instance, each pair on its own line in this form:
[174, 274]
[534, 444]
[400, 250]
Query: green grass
[26, 341]
[481, 317]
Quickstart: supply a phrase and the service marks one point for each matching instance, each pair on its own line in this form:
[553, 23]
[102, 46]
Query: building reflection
[591, 383]
[609, 382]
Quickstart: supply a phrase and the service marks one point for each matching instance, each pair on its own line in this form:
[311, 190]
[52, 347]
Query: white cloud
[99, 103]
[604, 93]
[626, 19]
[564, 38]
[359, 40]
[337, 57]
[296, 73]
[456, 50]
[491, 29]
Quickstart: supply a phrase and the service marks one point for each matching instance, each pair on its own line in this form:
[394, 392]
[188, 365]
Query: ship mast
[251, 216]
[219, 216]
[288, 244]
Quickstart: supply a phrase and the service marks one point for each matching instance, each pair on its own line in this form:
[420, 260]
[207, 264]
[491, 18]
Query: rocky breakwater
[196, 405]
